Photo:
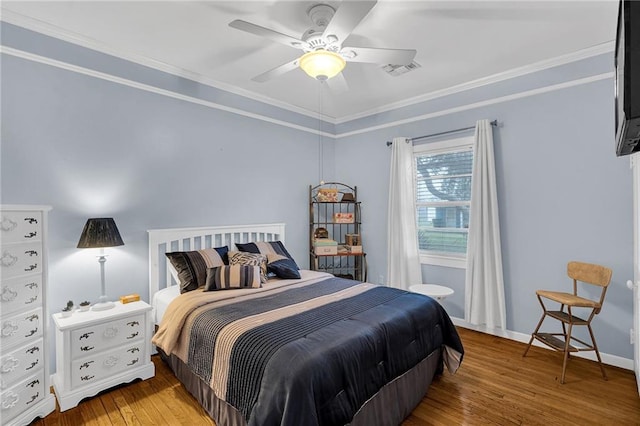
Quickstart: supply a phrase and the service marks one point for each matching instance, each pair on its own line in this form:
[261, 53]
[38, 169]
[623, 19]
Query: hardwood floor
[494, 386]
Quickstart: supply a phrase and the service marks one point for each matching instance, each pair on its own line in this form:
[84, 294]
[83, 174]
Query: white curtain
[484, 285]
[402, 235]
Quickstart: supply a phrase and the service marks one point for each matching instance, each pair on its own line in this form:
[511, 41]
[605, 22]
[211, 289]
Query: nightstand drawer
[21, 397]
[20, 293]
[21, 259]
[102, 365]
[20, 328]
[20, 226]
[89, 340]
[25, 360]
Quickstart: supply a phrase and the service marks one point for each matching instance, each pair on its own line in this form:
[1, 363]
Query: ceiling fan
[325, 56]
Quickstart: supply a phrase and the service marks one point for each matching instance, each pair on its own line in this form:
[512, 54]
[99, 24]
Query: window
[443, 198]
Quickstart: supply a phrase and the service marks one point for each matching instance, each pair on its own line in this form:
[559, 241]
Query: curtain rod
[493, 123]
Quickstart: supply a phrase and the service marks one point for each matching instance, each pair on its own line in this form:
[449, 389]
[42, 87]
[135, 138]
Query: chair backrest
[590, 273]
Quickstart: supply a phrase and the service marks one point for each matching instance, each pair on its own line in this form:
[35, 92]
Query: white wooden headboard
[162, 241]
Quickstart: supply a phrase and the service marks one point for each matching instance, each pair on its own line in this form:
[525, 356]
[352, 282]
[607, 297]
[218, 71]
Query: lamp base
[103, 304]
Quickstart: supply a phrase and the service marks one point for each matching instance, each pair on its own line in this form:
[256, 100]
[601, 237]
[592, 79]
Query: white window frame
[432, 258]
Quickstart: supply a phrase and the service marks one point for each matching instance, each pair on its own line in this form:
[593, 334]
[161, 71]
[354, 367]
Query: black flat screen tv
[627, 78]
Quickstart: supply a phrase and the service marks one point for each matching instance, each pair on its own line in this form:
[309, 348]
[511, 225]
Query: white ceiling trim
[485, 81]
[119, 80]
[493, 101]
[65, 35]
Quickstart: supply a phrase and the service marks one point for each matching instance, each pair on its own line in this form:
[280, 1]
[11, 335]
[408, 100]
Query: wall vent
[396, 70]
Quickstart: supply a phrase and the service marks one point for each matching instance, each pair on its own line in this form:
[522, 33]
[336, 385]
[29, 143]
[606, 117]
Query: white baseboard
[614, 360]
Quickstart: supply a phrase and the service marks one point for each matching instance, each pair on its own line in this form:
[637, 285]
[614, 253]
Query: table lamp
[101, 233]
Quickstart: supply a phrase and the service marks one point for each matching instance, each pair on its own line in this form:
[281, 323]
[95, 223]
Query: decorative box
[327, 195]
[343, 217]
[354, 249]
[325, 246]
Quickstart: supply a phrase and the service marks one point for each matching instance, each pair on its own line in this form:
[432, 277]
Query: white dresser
[24, 349]
[97, 350]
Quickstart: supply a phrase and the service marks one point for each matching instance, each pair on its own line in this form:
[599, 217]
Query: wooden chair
[586, 273]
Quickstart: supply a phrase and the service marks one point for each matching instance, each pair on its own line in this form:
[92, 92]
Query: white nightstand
[438, 292]
[97, 350]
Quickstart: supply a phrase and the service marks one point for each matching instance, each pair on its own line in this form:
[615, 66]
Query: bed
[313, 350]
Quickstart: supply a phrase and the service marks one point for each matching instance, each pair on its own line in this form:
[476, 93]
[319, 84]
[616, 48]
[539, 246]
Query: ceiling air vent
[396, 70]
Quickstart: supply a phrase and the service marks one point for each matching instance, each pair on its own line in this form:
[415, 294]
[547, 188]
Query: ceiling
[456, 41]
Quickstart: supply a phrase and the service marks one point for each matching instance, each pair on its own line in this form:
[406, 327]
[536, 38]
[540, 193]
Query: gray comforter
[309, 353]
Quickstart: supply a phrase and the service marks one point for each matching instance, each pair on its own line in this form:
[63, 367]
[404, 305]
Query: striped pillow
[252, 259]
[233, 276]
[280, 263]
[192, 265]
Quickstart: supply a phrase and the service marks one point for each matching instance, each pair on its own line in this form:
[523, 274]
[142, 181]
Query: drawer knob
[133, 335]
[33, 383]
[33, 364]
[8, 224]
[133, 323]
[31, 285]
[31, 220]
[133, 361]
[9, 400]
[133, 350]
[9, 364]
[85, 365]
[8, 294]
[87, 377]
[31, 253]
[33, 398]
[86, 348]
[32, 350]
[31, 234]
[111, 361]
[31, 300]
[31, 267]
[85, 335]
[31, 332]
[111, 332]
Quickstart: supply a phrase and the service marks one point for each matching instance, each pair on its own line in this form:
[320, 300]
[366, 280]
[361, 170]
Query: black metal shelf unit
[327, 202]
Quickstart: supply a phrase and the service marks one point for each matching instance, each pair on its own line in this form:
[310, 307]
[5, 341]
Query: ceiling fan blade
[378, 56]
[346, 18]
[267, 33]
[338, 84]
[277, 71]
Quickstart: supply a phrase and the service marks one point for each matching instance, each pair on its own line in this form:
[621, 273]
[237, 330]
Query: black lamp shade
[100, 232]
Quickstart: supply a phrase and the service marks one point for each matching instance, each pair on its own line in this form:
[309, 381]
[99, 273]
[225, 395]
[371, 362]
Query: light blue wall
[91, 147]
[563, 194]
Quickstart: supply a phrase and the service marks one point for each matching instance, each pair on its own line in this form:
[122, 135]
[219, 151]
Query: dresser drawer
[18, 294]
[20, 259]
[89, 340]
[21, 328]
[21, 362]
[102, 365]
[27, 393]
[17, 226]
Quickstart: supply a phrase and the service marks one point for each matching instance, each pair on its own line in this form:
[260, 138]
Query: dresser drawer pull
[31, 235]
[133, 361]
[31, 267]
[32, 332]
[9, 364]
[31, 300]
[33, 383]
[32, 350]
[10, 400]
[111, 361]
[87, 377]
[33, 398]
[8, 294]
[85, 365]
[8, 259]
[31, 220]
[7, 224]
[133, 335]
[32, 318]
[110, 332]
[86, 348]
[85, 335]
[31, 253]
[33, 364]
[133, 350]
[31, 285]
[133, 323]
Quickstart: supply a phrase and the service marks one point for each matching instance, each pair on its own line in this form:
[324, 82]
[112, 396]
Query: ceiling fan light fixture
[322, 64]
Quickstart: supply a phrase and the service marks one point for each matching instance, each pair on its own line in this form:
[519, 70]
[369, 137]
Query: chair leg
[595, 348]
[534, 332]
[566, 352]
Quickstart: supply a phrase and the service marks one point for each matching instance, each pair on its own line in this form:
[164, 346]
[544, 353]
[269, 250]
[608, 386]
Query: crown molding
[492, 79]
[141, 86]
[77, 39]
